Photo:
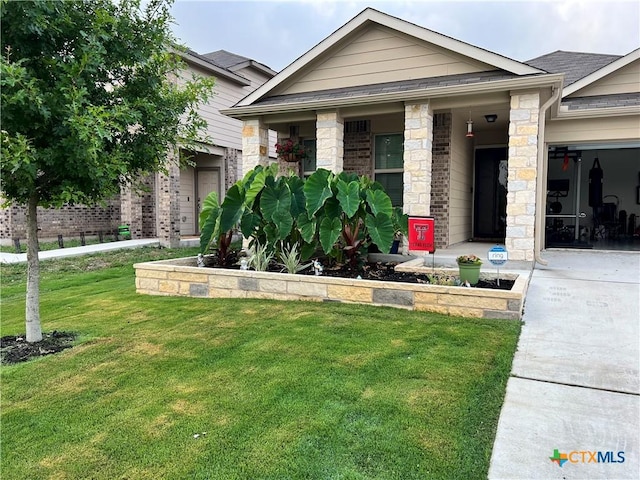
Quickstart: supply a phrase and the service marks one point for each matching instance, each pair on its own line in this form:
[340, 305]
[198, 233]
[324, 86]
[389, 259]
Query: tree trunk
[34, 330]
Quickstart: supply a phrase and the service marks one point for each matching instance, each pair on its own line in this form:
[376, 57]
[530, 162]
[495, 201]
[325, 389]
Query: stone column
[418, 139]
[168, 205]
[255, 146]
[330, 141]
[523, 166]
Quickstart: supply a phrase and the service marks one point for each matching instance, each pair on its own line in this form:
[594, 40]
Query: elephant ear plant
[351, 213]
[342, 214]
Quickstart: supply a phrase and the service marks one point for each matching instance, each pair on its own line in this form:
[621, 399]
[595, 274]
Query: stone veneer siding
[181, 278]
[523, 166]
[441, 177]
[330, 141]
[230, 161]
[418, 138]
[255, 146]
[358, 154]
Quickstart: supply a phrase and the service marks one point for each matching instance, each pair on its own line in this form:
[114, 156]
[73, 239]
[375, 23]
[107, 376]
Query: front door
[208, 181]
[490, 198]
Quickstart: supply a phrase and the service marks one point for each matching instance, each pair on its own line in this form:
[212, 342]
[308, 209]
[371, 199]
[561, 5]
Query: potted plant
[290, 151]
[469, 268]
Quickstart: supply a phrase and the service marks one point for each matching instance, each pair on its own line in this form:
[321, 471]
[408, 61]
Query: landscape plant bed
[386, 272]
[182, 278]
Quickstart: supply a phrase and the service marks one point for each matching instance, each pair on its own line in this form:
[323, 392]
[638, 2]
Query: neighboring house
[462, 134]
[169, 210]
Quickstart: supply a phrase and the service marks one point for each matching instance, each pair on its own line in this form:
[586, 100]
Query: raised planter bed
[181, 277]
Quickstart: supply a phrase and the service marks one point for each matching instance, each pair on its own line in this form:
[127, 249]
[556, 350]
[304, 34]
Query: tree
[90, 102]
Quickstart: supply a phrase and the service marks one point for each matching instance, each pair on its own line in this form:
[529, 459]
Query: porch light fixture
[491, 118]
[469, 127]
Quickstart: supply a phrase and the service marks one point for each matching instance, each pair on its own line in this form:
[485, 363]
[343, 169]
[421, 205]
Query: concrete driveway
[575, 384]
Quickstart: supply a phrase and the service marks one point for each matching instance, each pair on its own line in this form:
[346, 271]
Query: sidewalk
[575, 382]
[76, 251]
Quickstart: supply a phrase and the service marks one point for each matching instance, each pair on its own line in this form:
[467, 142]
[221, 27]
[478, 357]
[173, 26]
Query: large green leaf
[209, 204]
[250, 221]
[284, 223]
[380, 230]
[296, 185]
[256, 186]
[349, 197]
[317, 189]
[208, 229]
[379, 202]
[330, 230]
[275, 200]
[307, 250]
[332, 208]
[307, 227]
[232, 208]
[400, 221]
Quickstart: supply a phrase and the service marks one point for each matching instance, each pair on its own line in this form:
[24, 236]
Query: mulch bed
[16, 349]
[384, 272]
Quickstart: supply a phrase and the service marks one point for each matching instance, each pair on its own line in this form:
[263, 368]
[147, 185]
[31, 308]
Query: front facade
[450, 130]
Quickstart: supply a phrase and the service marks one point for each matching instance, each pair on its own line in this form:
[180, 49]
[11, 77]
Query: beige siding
[593, 130]
[625, 80]
[460, 195]
[225, 131]
[187, 202]
[381, 55]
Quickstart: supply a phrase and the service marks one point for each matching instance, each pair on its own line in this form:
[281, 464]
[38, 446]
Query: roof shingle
[574, 65]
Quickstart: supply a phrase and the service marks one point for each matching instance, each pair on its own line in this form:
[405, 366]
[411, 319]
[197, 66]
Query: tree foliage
[90, 101]
[88, 98]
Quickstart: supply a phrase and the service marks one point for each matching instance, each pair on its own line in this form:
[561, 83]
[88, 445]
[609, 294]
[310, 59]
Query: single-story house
[492, 148]
[169, 210]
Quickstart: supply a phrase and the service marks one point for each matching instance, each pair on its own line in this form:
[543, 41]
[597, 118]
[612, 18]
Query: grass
[68, 243]
[283, 390]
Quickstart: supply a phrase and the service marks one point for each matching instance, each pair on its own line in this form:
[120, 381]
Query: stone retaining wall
[181, 278]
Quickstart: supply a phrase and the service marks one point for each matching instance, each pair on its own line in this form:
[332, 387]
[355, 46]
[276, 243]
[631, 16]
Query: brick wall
[67, 221]
[357, 153]
[441, 177]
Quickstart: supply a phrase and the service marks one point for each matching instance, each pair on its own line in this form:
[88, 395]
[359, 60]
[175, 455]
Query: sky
[275, 33]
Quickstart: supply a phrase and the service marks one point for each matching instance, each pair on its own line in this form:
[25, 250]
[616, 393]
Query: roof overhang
[255, 65]
[564, 114]
[370, 15]
[601, 73]
[211, 68]
[523, 83]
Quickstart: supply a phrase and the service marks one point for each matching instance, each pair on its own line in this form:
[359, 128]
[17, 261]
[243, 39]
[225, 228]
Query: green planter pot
[469, 273]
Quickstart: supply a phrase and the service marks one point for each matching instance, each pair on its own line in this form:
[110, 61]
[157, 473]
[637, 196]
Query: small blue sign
[498, 255]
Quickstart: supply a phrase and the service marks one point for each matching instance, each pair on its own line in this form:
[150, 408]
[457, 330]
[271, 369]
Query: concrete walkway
[575, 384]
[76, 251]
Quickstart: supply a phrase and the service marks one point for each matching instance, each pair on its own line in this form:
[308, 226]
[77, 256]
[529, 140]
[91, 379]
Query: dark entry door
[490, 205]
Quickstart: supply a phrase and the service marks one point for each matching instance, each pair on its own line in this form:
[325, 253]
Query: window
[309, 163]
[388, 165]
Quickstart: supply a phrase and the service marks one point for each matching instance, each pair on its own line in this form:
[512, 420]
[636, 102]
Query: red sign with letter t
[421, 234]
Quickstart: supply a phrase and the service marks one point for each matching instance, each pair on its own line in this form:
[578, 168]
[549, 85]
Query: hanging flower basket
[290, 151]
[290, 157]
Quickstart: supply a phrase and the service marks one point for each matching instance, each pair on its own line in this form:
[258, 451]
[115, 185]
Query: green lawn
[283, 390]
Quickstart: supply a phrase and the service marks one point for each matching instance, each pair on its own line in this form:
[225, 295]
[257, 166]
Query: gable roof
[234, 62]
[370, 15]
[574, 65]
[602, 72]
[225, 64]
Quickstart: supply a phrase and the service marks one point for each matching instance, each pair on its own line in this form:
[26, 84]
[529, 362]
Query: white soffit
[603, 72]
[371, 15]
